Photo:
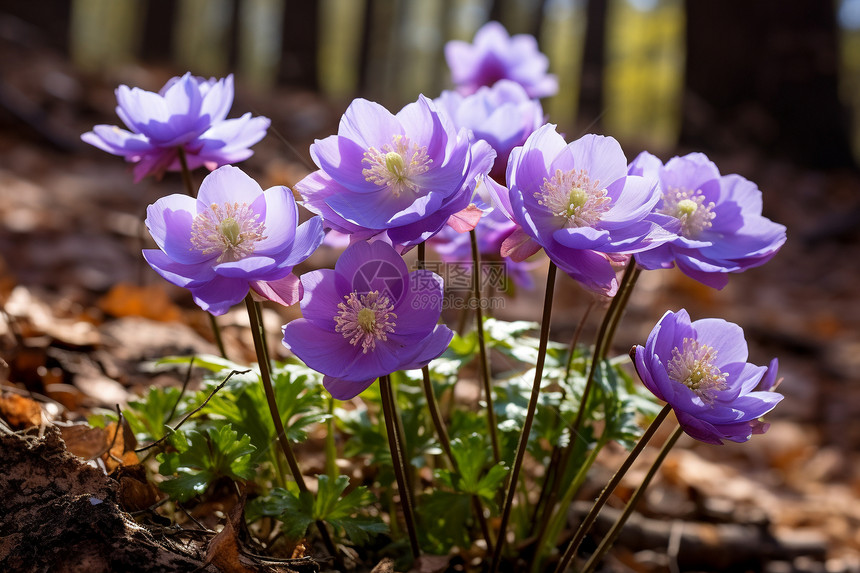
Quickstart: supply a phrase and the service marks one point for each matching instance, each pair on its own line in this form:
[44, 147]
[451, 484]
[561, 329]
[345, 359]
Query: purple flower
[502, 115]
[721, 226]
[367, 318]
[701, 370]
[233, 237]
[578, 203]
[491, 231]
[494, 56]
[188, 113]
[403, 175]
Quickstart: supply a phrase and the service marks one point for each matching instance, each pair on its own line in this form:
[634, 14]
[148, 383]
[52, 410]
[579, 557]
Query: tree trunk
[764, 74]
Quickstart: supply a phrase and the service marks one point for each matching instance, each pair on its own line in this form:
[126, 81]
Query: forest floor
[83, 315]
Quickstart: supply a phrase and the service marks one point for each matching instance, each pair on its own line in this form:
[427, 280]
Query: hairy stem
[283, 440]
[610, 537]
[399, 462]
[588, 520]
[486, 374]
[513, 478]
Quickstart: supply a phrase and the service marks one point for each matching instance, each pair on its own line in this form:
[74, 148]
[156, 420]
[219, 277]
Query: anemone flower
[494, 55]
[577, 202]
[722, 229]
[700, 369]
[367, 318]
[402, 176]
[502, 115]
[188, 114]
[233, 237]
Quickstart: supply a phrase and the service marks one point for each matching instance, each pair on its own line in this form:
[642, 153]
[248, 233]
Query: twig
[197, 409]
[182, 392]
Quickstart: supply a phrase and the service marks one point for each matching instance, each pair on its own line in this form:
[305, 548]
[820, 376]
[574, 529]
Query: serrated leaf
[444, 518]
[201, 458]
[148, 415]
[297, 511]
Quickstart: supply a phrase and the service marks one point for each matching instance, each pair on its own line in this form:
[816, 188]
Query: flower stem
[330, 446]
[601, 344]
[554, 526]
[549, 490]
[189, 189]
[627, 283]
[482, 347]
[441, 431]
[186, 172]
[216, 333]
[600, 347]
[513, 478]
[569, 553]
[283, 440]
[398, 461]
[610, 537]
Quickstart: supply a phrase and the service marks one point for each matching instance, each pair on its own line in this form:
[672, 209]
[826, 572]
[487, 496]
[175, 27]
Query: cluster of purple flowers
[479, 158]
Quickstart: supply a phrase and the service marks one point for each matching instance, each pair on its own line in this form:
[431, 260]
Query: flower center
[396, 165]
[693, 366]
[230, 230]
[688, 207]
[365, 319]
[574, 197]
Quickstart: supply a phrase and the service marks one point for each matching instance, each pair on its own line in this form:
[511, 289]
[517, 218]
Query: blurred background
[768, 89]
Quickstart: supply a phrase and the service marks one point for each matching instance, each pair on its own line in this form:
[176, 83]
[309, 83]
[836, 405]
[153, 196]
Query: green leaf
[202, 457]
[444, 519]
[148, 415]
[347, 513]
[242, 403]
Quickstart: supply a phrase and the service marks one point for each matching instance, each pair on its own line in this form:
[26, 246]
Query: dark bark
[764, 74]
[157, 39]
[299, 45]
[593, 59]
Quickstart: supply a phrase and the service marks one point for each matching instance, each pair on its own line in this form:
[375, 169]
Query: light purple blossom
[722, 229]
[401, 175]
[502, 115]
[700, 369]
[578, 203]
[367, 318]
[491, 231]
[494, 55]
[233, 237]
[188, 113]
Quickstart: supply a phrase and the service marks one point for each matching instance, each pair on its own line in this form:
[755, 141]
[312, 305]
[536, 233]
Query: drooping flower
[578, 203]
[494, 55]
[403, 175]
[367, 318]
[232, 238]
[502, 115]
[188, 113]
[700, 369]
[491, 231]
[722, 228]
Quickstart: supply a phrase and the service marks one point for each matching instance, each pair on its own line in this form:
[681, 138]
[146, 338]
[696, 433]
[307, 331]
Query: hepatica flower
[188, 113]
[491, 231]
[494, 56]
[367, 318]
[502, 115]
[233, 237]
[722, 229]
[578, 203]
[700, 369]
[403, 175]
